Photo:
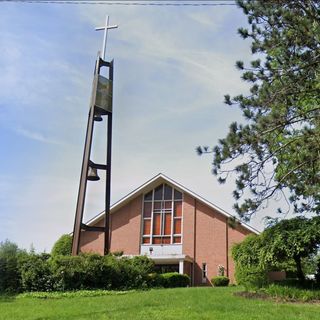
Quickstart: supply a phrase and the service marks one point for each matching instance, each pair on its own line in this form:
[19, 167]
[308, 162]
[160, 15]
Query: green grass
[182, 303]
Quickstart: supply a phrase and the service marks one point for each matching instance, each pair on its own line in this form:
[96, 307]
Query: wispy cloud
[37, 136]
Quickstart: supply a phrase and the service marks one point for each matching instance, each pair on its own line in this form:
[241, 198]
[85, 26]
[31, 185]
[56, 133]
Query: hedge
[30, 272]
[220, 281]
[174, 279]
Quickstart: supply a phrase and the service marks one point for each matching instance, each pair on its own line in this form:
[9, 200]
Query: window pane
[166, 240]
[167, 192]
[168, 204]
[177, 195]
[158, 193]
[157, 240]
[177, 226]
[177, 208]
[146, 240]
[167, 224]
[176, 239]
[146, 226]
[156, 223]
[147, 209]
[157, 205]
[148, 196]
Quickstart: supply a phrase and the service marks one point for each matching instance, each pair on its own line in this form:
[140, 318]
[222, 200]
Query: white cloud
[37, 136]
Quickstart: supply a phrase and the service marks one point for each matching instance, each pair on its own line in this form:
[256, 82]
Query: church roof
[154, 182]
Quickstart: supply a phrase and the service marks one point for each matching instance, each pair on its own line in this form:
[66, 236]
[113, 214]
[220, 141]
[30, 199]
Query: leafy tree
[9, 266]
[286, 244]
[62, 246]
[277, 150]
[293, 239]
[249, 271]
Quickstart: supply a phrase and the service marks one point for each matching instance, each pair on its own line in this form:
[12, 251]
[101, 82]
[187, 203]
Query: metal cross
[105, 28]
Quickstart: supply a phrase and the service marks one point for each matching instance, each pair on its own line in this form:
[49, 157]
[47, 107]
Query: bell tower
[100, 108]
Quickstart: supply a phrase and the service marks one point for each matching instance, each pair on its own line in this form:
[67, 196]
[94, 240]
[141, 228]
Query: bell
[93, 174]
[97, 118]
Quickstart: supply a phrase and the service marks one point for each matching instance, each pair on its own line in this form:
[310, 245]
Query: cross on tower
[105, 28]
[100, 105]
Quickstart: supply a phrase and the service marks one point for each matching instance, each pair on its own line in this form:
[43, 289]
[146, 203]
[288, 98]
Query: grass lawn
[182, 303]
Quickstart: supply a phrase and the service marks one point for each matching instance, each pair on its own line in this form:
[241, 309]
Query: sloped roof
[154, 182]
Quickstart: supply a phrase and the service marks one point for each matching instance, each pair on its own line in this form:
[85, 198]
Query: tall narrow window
[162, 216]
[204, 272]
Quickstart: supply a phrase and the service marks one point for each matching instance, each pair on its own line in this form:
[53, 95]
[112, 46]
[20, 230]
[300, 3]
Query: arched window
[162, 216]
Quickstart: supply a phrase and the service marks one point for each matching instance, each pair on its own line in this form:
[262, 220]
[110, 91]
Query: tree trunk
[300, 273]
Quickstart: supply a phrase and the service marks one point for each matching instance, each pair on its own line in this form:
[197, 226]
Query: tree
[249, 271]
[286, 245]
[62, 246]
[9, 266]
[277, 150]
[292, 239]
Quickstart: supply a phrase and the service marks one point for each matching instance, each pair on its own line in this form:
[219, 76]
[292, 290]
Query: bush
[174, 279]
[10, 280]
[35, 273]
[40, 272]
[251, 277]
[248, 271]
[62, 246]
[22, 271]
[81, 272]
[92, 271]
[220, 281]
[155, 280]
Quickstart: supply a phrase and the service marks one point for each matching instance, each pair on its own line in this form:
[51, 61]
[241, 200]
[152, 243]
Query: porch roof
[167, 258]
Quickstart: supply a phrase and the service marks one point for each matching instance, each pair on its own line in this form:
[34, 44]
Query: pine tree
[277, 149]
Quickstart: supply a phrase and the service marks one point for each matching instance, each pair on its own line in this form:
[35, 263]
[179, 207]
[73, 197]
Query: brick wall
[213, 239]
[207, 237]
[125, 225]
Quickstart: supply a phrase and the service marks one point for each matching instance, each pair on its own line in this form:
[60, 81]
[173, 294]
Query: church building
[175, 227]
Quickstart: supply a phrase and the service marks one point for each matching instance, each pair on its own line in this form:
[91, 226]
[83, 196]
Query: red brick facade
[207, 237]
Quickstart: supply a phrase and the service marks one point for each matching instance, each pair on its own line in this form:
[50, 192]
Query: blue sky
[172, 68]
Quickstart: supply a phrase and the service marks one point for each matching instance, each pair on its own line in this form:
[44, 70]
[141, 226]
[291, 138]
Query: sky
[173, 65]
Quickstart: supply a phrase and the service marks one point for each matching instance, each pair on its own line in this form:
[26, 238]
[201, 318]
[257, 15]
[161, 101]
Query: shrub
[32, 272]
[248, 271]
[62, 246]
[174, 279]
[155, 280]
[92, 271]
[81, 272]
[251, 277]
[35, 273]
[220, 281]
[10, 279]
[130, 273]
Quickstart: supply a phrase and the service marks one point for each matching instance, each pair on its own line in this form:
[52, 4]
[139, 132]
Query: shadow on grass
[7, 297]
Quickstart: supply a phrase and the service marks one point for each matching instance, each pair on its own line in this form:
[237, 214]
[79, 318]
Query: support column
[181, 266]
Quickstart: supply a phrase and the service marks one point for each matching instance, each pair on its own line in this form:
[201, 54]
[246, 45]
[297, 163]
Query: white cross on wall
[105, 28]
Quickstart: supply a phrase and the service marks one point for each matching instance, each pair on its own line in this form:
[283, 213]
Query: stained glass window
[162, 216]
